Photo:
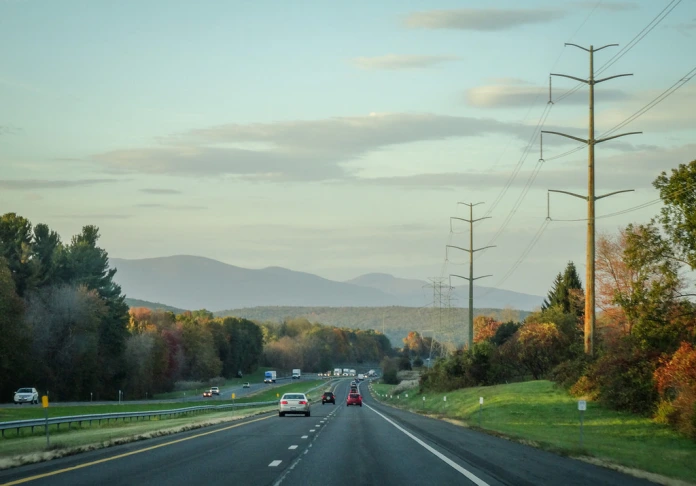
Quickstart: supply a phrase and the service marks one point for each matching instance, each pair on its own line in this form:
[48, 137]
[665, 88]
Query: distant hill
[191, 282]
[395, 322]
[153, 305]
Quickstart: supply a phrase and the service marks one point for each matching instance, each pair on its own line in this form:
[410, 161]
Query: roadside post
[582, 406]
[480, 407]
[423, 402]
[90, 396]
[233, 397]
[44, 404]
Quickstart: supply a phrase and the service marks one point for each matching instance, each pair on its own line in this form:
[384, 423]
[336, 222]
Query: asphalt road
[337, 445]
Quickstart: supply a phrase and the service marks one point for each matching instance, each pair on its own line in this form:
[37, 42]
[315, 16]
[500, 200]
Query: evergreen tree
[566, 292]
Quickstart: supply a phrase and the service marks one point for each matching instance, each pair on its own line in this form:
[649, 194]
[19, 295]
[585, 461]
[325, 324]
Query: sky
[339, 138]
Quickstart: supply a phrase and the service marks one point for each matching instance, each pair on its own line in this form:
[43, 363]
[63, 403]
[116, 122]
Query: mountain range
[193, 282]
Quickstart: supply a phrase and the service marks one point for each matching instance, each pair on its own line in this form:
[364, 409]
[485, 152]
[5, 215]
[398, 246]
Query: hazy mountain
[152, 305]
[191, 282]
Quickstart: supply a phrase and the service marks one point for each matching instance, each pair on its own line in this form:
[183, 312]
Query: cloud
[610, 6]
[9, 130]
[481, 19]
[30, 184]
[176, 207]
[514, 94]
[395, 61]
[150, 190]
[633, 169]
[93, 217]
[295, 150]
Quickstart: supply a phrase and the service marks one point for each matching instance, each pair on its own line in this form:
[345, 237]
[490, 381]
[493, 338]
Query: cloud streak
[523, 95]
[398, 62]
[29, 184]
[151, 190]
[481, 19]
[313, 150]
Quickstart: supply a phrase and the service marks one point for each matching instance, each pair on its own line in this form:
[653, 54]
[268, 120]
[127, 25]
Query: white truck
[337, 372]
[346, 371]
[361, 377]
[352, 373]
[296, 374]
[269, 377]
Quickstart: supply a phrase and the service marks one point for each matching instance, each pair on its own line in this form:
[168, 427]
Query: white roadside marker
[312, 430]
[292, 447]
[275, 463]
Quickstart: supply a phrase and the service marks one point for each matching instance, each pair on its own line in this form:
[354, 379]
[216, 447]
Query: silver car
[293, 403]
[26, 395]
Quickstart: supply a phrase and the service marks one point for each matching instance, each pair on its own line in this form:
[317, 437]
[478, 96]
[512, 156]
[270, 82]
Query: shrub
[389, 377]
[418, 362]
[676, 383]
[567, 373]
[623, 376]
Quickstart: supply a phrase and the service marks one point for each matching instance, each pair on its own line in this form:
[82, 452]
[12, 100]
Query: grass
[25, 413]
[545, 416]
[255, 377]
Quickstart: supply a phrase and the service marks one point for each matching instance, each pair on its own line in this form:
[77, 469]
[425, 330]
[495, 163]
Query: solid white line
[437, 454]
[305, 436]
[275, 463]
[292, 447]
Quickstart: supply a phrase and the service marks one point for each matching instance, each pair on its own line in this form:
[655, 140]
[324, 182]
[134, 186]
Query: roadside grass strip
[542, 415]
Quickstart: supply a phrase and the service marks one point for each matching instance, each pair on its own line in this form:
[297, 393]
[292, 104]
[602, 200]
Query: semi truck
[337, 371]
[296, 374]
[269, 377]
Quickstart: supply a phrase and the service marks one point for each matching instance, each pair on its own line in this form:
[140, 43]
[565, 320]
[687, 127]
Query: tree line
[645, 356]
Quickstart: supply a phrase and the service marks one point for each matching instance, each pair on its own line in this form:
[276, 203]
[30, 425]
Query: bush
[188, 385]
[567, 373]
[389, 377]
[676, 383]
[623, 376]
[418, 362]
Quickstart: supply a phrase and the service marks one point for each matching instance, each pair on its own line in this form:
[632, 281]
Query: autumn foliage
[676, 382]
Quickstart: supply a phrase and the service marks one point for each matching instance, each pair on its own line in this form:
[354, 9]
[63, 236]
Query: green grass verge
[255, 377]
[25, 413]
[545, 416]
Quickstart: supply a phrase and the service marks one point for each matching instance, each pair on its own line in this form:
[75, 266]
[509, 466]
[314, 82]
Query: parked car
[215, 390]
[208, 393]
[293, 403]
[246, 385]
[328, 397]
[354, 399]
[26, 395]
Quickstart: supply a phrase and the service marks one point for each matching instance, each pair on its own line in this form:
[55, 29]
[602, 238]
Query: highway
[372, 444]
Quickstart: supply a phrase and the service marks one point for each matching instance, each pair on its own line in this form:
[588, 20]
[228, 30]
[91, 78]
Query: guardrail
[79, 419]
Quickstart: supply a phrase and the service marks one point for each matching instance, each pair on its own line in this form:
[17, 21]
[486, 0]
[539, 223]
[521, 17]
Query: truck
[361, 377]
[337, 372]
[296, 374]
[346, 371]
[352, 373]
[269, 377]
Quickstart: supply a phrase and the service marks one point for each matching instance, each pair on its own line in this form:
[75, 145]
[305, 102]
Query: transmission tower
[470, 278]
[590, 198]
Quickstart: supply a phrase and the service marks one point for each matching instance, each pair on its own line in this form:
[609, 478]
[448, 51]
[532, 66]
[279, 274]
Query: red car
[354, 399]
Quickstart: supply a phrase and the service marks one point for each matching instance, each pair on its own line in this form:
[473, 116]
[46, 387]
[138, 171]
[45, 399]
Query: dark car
[208, 393]
[328, 397]
[354, 399]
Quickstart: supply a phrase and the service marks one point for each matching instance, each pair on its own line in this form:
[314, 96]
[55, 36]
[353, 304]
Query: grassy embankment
[255, 377]
[542, 415]
[87, 437]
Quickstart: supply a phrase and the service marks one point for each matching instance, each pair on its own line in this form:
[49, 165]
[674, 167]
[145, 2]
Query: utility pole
[470, 278]
[590, 198]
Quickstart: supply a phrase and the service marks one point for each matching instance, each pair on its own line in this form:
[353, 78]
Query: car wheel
[307, 414]
[281, 414]
[361, 404]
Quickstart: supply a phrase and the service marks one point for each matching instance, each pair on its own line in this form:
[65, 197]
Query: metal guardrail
[79, 419]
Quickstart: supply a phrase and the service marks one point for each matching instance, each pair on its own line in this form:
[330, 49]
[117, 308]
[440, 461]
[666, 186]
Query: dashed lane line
[292, 447]
[275, 463]
[305, 436]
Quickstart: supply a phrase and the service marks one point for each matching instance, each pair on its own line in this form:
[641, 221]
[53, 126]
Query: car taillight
[284, 402]
[302, 402]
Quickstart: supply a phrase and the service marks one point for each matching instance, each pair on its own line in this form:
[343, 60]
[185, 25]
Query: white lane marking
[305, 436]
[292, 447]
[275, 463]
[318, 425]
[435, 452]
[312, 430]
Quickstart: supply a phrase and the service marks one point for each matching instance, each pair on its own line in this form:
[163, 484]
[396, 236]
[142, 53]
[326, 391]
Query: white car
[246, 385]
[26, 395]
[293, 403]
[215, 390]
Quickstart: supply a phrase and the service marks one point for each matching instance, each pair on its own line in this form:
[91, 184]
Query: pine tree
[566, 292]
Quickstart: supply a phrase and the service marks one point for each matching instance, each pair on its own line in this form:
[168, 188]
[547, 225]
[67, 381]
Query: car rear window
[294, 397]
[328, 394]
[354, 395]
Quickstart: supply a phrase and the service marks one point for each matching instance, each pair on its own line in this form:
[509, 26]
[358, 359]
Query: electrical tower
[470, 278]
[590, 198]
